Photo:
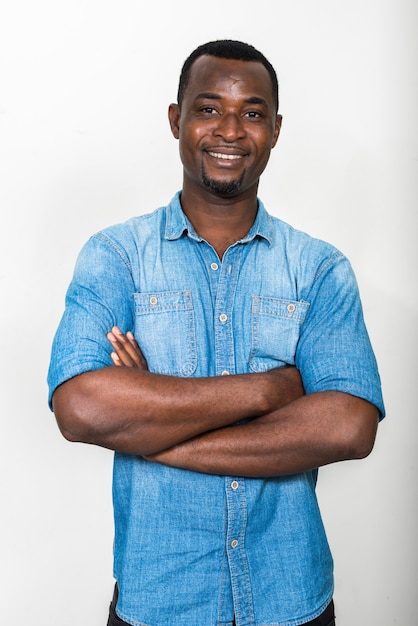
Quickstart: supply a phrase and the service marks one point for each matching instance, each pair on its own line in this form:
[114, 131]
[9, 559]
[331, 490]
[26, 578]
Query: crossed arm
[192, 423]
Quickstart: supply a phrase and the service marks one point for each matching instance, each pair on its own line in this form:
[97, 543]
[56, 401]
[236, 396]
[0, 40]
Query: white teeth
[228, 157]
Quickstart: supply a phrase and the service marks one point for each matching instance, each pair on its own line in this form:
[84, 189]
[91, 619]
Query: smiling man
[226, 134]
[223, 356]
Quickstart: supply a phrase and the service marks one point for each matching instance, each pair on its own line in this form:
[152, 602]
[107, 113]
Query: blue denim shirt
[194, 549]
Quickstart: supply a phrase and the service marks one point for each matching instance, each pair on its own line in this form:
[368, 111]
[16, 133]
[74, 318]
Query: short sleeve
[100, 296]
[334, 350]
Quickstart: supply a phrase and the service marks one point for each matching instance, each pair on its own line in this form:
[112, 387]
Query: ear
[277, 128]
[174, 119]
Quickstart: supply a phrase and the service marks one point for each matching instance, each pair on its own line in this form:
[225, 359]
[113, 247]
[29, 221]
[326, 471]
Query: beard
[222, 188]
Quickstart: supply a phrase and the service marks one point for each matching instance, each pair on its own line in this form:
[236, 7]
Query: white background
[84, 143]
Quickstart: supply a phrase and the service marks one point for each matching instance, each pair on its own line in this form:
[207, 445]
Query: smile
[227, 157]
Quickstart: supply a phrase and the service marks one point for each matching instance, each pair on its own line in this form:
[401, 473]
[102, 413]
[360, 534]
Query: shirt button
[291, 308]
[214, 266]
[153, 300]
[234, 485]
[225, 373]
[234, 543]
[223, 317]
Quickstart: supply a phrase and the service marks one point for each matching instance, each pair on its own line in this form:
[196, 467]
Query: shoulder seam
[324, 267]
[112, 244]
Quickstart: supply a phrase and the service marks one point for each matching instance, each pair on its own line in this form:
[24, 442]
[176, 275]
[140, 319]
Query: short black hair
[227, 49]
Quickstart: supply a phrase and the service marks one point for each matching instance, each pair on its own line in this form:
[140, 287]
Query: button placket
[235, 546]
[224, 306]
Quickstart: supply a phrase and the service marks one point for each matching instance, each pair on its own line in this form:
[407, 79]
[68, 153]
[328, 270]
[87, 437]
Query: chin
[224, 188]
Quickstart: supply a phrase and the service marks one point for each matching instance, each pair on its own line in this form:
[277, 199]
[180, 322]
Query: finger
[116, 360]
[131, 347]
[139, 357]
[122, 350]
[127, 348]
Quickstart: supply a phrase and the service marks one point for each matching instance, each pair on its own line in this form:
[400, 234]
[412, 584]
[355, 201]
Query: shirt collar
[177, 223]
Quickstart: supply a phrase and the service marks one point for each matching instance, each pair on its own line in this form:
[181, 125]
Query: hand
[285, 385]
[127, 352]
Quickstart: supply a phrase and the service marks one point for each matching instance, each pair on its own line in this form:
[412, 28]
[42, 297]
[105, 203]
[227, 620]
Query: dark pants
[325, 619]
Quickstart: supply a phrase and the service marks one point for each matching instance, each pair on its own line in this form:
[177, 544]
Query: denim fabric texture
[327, 618]
[193, 549]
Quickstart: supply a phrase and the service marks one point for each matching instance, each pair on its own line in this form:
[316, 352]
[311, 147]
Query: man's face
[227, 126]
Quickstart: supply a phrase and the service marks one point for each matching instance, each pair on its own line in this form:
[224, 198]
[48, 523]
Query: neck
[220, 221]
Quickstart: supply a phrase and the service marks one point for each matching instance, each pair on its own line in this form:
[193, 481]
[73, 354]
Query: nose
[230, 127]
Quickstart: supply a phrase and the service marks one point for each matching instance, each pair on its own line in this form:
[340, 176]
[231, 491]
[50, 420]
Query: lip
[225, 156]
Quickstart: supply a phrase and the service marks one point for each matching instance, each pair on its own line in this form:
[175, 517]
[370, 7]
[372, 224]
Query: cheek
[191, 134]
[190, 143]
[265, 143]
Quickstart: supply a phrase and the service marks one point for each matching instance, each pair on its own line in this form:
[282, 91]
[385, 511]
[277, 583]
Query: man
[223, 356]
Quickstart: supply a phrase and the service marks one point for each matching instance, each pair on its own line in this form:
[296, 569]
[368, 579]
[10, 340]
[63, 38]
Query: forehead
[229, 77]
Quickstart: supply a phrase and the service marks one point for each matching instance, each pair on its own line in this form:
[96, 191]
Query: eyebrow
[208, 95]
[255, 100]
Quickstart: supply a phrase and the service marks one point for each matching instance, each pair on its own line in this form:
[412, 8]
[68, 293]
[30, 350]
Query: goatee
[222, 188]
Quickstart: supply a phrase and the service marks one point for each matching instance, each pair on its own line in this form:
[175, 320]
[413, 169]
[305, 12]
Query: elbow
[361, 448]
[88, 410]
[71, 427]
[73, 412]
[360, 433]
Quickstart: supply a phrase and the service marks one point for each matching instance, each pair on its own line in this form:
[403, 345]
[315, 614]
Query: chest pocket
[165, 330]
[275, 327]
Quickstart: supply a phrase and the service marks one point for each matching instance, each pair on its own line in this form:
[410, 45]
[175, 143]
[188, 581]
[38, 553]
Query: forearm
[310, 432]
[137, 412]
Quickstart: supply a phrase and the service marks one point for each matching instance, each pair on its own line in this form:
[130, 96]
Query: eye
[253, 114]
[208, 110]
